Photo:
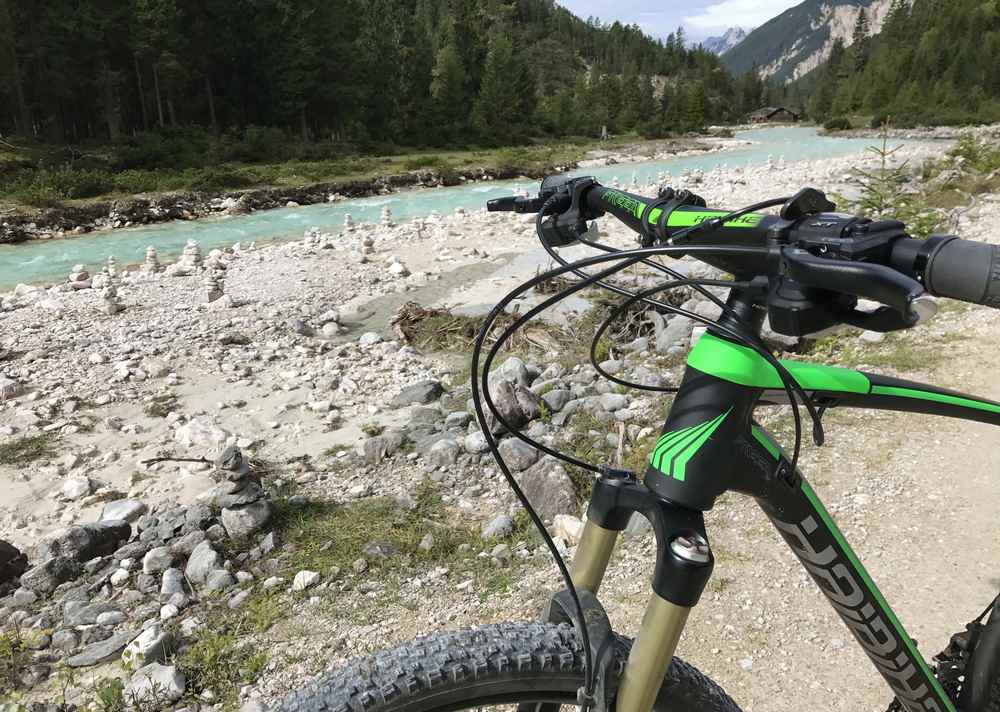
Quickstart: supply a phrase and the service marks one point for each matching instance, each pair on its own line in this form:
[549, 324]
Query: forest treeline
[935, 62]
[362, 72]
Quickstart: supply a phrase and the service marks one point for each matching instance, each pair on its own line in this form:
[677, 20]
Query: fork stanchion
[651, 654]
[592, 556]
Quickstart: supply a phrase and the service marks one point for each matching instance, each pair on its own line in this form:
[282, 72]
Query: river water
[52, 260]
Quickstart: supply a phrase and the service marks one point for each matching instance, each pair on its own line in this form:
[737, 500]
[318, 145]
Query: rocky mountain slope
[725, 42]
[799, 40]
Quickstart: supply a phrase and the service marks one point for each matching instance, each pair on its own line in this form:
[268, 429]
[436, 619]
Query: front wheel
[501, 664]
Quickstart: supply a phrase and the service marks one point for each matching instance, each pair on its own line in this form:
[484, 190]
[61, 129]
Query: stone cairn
[79, 278]
[191, 256]
[112, 267]
[152, 264]
[348, 223]
[386, 219]
[110, 303]
[419, 228]
[245, 507]
[213, 284]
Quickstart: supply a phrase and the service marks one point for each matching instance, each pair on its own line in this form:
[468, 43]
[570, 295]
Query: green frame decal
[743, 366]
[675, 448]
[944, 398]
[740, 364]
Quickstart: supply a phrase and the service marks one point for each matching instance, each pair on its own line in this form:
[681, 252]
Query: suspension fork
[683, 565]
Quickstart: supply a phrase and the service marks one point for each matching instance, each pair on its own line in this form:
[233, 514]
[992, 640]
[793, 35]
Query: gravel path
[910, 492]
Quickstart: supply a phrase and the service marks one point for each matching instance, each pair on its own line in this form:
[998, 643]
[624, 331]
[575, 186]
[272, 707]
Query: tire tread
[503, 651]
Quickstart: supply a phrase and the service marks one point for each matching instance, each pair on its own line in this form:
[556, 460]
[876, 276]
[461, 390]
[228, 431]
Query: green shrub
[881, 119]
[37, 196]
[976, 154]
[219, 662]
[838, 123]
[512, 159]
[265, 143]
[219, 179]
[140, 181]
[418, 163]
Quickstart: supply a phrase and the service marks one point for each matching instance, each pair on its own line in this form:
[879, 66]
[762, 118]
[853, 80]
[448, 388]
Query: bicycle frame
[711, 445]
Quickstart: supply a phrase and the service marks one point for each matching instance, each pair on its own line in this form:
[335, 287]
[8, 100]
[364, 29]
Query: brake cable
[617, 312]
[789, 383]
[750, 337]
[791, 386]
[628, 259]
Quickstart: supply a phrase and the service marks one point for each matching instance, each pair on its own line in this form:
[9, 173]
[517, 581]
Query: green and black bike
[805, 269]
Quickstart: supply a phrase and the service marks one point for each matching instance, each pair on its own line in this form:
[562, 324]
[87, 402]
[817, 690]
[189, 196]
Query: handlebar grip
[966, 270]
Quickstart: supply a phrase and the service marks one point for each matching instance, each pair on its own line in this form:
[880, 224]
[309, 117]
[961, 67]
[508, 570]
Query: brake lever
[904, 295]
[883, 319]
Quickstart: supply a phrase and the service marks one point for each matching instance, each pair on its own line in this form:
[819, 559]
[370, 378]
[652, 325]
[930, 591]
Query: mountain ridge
[792, 44]
[727, 41]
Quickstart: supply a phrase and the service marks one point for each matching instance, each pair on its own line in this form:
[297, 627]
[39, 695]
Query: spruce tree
[451, 105]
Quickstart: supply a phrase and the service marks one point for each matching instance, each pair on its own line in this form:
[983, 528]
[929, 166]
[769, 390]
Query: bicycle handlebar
[814, 256]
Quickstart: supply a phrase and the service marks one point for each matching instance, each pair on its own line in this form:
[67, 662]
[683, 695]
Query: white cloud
[744, 13]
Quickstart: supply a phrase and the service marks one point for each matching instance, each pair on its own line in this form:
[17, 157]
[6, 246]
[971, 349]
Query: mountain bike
[805, 269]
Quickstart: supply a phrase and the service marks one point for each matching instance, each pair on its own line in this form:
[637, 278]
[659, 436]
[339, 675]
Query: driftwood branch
[154, 460]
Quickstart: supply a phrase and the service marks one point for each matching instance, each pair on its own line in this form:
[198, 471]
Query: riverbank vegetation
[38, 175]
[934, 63]
[164, 95]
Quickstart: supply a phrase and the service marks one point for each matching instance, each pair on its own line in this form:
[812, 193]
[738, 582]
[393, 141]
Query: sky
[700, 18]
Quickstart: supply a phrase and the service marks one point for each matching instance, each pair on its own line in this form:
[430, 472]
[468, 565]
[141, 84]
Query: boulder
[13, 563]
[518, 454]
[420, 393]
[155, 684]
[612, 402]
[500, 526]
[157, 559]
[304, 580]
[514, 370]
[101, 651]
[80, 613]
[555, 400]
[127, 509]
[86, 542]
[48, 575]
[152, 645]
[247, 519]
[76, 487]
[219, 580]
[475, 443]
[549, 488]
[204, 559]
[442, 453]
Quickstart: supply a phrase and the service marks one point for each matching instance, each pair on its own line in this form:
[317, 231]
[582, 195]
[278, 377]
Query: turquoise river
[51, 260]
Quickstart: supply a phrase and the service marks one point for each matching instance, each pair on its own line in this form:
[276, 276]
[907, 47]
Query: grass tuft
[27, 449]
